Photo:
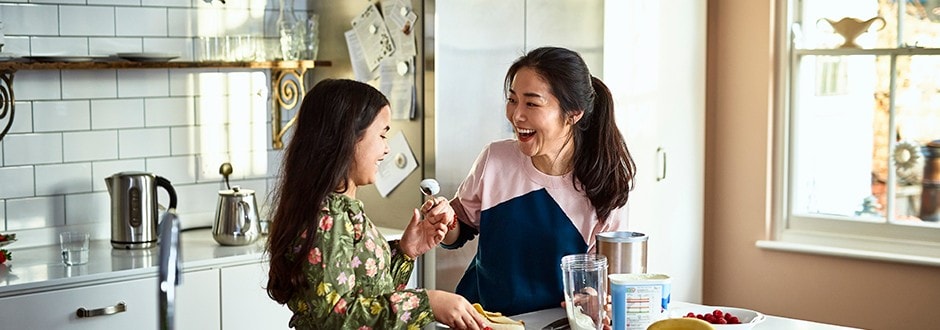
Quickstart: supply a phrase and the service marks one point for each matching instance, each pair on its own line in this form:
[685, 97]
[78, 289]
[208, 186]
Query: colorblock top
[527, 221]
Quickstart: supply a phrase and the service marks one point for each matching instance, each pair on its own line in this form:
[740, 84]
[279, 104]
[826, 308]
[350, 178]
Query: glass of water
[74, 248]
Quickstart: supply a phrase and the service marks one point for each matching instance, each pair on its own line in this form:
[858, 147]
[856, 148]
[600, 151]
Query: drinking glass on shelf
[211, 49]
[312, 38]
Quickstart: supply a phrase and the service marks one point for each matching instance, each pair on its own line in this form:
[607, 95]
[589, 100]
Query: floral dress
[356, 280]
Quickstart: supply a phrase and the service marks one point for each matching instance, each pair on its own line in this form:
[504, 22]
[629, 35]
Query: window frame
[832, 235]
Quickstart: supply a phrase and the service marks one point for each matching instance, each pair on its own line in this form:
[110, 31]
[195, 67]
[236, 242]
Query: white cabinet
[57, 309]
[197, 305]
[245, 302]
[654, 64]
[197, 301]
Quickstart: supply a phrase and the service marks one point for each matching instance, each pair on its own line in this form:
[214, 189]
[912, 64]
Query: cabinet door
[245, 303]
[57, 309]
[197, 301]
[654, 64]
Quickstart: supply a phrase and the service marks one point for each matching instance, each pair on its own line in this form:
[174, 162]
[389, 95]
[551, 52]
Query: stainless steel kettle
[236, 217]
[134, 208]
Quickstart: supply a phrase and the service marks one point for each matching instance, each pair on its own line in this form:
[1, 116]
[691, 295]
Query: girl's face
[536, 116]
[370, 150]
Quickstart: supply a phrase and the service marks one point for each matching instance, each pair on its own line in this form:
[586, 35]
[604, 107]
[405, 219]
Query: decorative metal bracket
[288, 93]
[7, 105]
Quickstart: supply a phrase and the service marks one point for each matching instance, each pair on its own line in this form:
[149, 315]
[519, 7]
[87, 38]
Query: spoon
[226, 170]
[429, 187]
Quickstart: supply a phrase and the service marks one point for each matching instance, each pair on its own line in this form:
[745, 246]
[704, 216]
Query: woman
[545, 194]
[329, 264]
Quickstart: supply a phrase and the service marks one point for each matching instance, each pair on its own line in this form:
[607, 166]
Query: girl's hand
[438, 210]
[455, 311]
[421, 236]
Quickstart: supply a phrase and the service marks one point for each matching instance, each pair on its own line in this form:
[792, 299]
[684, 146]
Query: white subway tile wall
[24, 119]
[56, 116]
[120, 113]
[17, 182]
[89, 84]
[89, 145]
[61, 179]
[35, 212]
[74, 128]
[86, 21]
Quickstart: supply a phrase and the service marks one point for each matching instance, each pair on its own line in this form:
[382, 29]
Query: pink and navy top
[527, 221]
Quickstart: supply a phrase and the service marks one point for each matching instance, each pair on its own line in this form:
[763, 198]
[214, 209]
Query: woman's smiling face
[536, 116]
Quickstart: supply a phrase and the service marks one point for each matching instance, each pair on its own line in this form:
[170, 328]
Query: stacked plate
[147, 57]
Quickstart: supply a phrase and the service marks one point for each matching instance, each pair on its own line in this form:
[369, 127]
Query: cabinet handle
[82, 312]
[661, 152]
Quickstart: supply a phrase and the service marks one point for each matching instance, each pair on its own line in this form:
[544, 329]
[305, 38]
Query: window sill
[847, 252]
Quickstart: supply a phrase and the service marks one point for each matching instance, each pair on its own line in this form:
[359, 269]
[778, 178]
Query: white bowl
[747, 317]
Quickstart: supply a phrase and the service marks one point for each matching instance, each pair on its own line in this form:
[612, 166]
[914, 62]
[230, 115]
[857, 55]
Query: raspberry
[721, 321]
[734, 320]
[718, 313]
[728, 316]
[690, 314]
[710, 318]
[700, 316]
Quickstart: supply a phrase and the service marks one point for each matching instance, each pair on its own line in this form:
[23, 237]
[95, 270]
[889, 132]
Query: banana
[684, 323]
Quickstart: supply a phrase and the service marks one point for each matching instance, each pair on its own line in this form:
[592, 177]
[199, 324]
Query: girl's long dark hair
[602, 162]
[331, 119]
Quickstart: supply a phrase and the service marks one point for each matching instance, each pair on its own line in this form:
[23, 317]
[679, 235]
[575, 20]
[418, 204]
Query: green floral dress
[356, 280]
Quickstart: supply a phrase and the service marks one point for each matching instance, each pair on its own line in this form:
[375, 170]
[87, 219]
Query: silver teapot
[236, 217]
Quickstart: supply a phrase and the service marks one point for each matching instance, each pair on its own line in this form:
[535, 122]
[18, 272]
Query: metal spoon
[429, 187]
[226, 170]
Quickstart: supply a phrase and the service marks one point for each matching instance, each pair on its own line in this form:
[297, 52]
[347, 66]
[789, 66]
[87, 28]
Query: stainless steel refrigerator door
[476, 42]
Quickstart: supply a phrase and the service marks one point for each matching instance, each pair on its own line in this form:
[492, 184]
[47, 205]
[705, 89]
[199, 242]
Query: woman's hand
[421, 236]
[438, 210]
[455, 311]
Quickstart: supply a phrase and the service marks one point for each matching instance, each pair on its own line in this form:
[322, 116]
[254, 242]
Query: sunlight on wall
[232, 120]
[232, 105]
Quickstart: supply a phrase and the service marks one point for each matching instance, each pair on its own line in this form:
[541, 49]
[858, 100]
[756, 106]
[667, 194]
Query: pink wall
[739, 122]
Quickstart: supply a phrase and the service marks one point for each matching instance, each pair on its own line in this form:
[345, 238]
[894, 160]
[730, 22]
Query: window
[862, 109]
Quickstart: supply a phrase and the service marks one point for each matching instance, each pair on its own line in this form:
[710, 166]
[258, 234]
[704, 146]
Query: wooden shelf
[24, 64]
[287, 82]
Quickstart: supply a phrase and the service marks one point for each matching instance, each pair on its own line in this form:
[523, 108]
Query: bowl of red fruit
[720, 317]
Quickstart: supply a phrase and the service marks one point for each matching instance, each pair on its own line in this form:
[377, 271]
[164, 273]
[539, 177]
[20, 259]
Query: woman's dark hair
[602, 162]
[331, 119]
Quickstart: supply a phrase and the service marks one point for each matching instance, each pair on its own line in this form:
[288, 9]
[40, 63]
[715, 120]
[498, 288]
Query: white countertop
[539, 319]
[40, 268]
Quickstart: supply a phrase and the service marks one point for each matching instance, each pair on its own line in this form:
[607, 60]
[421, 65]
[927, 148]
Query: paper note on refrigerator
[373, 35]
[356, 57]
[397, 82]
[400, 20]
[396, 166]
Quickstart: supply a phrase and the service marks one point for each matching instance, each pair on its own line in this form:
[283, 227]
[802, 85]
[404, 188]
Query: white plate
[747, 317]
[8, 56]
[6, 242]
[147, 57]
